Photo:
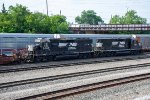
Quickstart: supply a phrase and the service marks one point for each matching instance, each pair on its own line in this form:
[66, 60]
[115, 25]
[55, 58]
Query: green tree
[59, 24]
[19, 14]
[38, 23]
[116, 20]
[6, 24]
[63, 27]
[130, 17]
[41, 23]
[88, 17]
[19, 19]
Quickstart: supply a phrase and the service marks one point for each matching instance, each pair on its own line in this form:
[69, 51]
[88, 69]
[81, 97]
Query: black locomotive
[52, 49]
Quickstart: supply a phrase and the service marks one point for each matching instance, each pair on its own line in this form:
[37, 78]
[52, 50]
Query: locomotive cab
[38, 51]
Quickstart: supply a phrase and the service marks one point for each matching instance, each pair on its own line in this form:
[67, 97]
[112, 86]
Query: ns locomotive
[51, 49]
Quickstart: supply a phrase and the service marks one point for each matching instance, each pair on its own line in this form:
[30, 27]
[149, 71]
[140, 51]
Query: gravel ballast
[132, 91]
[16, 76]
[59, 86]
[26, 90]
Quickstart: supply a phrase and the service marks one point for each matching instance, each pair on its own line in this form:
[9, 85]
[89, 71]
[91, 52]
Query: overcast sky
[73, 8]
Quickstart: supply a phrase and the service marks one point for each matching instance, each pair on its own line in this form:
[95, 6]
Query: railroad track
[69, 64]
[87, 88]
[70, 75]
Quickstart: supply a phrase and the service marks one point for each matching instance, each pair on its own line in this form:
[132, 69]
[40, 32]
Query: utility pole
[47, 7]
[60, 12]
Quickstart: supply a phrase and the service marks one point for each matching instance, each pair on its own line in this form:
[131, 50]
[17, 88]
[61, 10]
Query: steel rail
[69, 75]
[68, 64]
[87, 88]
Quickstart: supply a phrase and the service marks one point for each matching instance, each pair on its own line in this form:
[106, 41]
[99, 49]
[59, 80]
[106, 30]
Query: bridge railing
[110, 27]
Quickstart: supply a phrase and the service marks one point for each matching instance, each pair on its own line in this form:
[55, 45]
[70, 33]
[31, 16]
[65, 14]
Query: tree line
[19, 19]
[90, 17]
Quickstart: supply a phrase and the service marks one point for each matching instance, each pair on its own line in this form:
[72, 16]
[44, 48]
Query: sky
[73, 8]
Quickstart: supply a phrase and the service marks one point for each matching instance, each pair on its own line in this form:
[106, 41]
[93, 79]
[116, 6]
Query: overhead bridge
[109, 27]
